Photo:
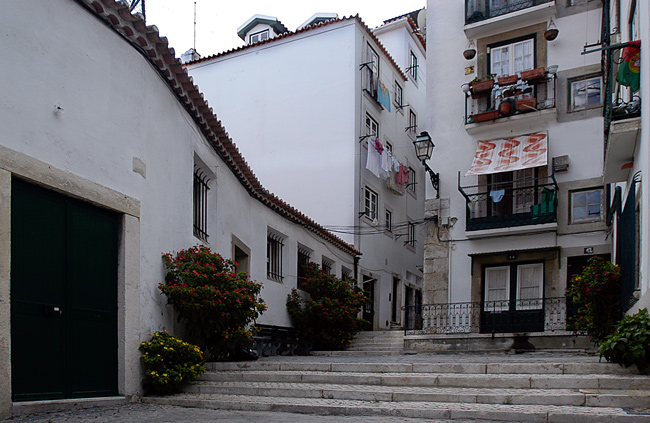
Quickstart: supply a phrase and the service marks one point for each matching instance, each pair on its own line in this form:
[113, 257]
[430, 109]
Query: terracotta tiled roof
[154, 48]
[305, 29]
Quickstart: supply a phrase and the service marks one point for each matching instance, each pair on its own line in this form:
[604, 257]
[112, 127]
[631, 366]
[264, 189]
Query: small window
[411, 235]
[512, 58]
[413, 124]
[388, 146]
[398, 95]
[389, 221]
[370, 204]
[412, 180]
[371, 71]
[497, 288]
[274, 244]
[259, 36]
[586, 93]
[587, 206]
[303, 261]
[327, 265]
[200, 200]
[530, 279]
[372, 127]
[413, 66]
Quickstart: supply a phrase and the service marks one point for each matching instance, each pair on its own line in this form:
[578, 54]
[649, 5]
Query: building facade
[307, 105]
[110, 157]
[516, 114]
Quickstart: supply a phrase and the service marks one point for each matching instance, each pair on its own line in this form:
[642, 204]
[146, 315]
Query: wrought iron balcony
[530, 201]
[531, 91]
[480, 10]
[530, 315]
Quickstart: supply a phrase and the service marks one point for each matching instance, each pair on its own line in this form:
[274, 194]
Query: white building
[627, 154]
[523, 202]
[110, 157]
[305, 105]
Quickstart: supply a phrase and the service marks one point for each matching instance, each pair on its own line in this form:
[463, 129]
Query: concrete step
[457, 367]
[572, 397]
[509, 381]
[419, 409]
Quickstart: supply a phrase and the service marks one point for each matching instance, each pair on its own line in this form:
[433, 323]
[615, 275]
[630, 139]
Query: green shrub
[596, 292]
[216, 302]
[328, 319]
[169, 362]
[630, 342]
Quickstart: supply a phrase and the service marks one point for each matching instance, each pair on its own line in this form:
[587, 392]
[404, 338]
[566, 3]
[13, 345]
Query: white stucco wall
[81, 106]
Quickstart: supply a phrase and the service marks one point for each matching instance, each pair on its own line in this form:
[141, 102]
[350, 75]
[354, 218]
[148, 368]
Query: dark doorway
[369, 307]
[63, 296]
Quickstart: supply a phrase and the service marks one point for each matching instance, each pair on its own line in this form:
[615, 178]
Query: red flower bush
[328, 319]
[216, 302]
[596, 291]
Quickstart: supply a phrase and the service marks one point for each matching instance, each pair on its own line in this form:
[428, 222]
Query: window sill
[511, 230]
[545, 115]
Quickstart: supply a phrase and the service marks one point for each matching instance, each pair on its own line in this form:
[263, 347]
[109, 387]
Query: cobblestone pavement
[145, 413]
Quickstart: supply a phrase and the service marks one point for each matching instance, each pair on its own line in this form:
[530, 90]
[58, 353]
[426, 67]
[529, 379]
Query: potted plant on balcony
[485, 116]
[507, 80]
[533, 76]
[526, 105]
[482, 87]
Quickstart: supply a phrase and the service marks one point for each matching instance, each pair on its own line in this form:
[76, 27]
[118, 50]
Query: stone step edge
[578, 398]
[452, 411]
[468, 368]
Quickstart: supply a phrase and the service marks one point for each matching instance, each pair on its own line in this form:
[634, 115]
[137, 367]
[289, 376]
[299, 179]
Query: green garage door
[63, 297]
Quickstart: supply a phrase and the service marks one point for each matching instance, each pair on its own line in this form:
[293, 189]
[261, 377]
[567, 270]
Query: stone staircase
[536, 387]
[374, 343]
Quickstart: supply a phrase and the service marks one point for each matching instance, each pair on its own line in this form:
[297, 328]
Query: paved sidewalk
[148, 413]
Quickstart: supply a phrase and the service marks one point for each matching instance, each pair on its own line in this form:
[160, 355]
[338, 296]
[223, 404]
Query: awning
[508, 154]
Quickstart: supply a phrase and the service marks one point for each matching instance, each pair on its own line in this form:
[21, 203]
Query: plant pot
[526, 105]
[507, 80]
[482, 117]
[551, 34]
[482, 89]
[533, 75]
[507, 107]
[469, 54]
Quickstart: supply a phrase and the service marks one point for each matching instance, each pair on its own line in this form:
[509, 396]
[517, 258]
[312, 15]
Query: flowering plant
[216, 302]
[596, 292]
[328, 319]
[169, 362]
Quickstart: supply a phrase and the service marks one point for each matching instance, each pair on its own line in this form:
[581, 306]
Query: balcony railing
[530, 315]
[510, 96]
[479, 10]
[522, 202]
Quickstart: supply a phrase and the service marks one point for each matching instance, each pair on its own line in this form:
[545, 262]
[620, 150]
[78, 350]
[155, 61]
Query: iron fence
[530, 315]
[479, 10]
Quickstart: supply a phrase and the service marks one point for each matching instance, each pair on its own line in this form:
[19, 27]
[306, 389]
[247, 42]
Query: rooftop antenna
[136, 7]
[194, 47]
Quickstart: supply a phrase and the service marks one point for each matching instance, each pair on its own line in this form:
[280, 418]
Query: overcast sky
[217, 21]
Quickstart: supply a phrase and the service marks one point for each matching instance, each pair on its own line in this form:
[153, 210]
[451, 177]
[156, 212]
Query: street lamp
[423, 150]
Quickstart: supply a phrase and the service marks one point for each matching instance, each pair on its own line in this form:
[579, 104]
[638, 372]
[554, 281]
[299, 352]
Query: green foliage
[596, 291]
[630, 342]
[169, 362]
[328, 319]
[216, 302]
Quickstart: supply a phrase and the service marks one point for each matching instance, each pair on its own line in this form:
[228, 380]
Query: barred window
[200, 200]
[274, 246]
[327, 265]
[411, 234]
[303, 262]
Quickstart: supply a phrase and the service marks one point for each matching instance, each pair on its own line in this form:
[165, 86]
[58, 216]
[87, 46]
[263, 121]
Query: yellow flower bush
[169, 362]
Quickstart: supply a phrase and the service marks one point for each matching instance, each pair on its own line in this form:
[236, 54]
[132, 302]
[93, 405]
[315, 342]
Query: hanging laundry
[379, 146]
[386, 161]
[497, 195]
[403, 174]
[373, 162]
[383, 96]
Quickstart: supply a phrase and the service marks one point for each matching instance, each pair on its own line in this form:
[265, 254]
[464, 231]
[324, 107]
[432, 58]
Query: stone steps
[534, 388]
[378, 342]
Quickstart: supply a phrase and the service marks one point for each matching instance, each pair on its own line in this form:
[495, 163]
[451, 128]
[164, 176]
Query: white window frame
[413, 65]
[372, 125]
[372, 72]
[412, 124]
[370, 203]
[587, 205]
[388, 221]
[411, 235]
[521, 302]
[528, 60]
[398, 98]
[586, 82]
[493, 304]
[412, 179]
[258, 36]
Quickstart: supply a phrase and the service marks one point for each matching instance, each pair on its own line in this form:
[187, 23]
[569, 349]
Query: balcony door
[513, 298]
[512, 192]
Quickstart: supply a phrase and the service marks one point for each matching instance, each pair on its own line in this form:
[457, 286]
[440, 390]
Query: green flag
[629, 73]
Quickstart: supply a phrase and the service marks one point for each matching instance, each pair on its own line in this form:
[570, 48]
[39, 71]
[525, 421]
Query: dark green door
[63, 297]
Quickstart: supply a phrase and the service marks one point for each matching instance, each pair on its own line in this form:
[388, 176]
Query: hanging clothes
[386, 162]
[497, 195]
[373, 163]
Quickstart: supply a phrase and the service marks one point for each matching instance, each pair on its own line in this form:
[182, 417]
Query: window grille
[303, 262]
[200, 197]
[327, 265]
[274, 246]
[411, 234]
